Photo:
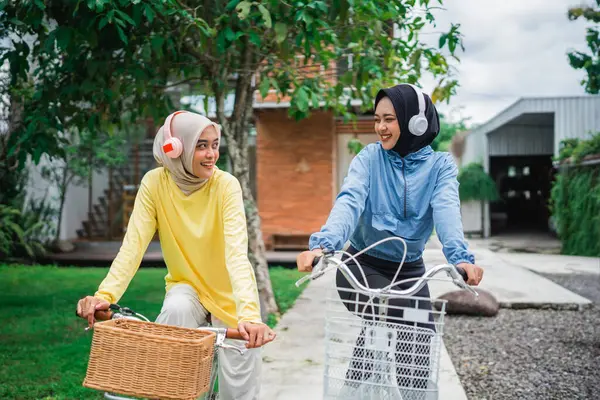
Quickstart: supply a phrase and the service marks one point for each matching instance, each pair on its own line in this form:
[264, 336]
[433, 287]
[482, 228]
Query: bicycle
[382, 343]
[117, 312]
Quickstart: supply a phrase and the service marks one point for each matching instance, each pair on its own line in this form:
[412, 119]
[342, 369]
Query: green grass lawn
[43, 346]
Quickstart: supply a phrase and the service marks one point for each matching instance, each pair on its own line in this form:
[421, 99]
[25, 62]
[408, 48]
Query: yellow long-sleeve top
[204, 242]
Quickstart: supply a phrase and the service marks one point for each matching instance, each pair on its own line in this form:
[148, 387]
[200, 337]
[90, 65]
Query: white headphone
[173, 147]
[418, 123]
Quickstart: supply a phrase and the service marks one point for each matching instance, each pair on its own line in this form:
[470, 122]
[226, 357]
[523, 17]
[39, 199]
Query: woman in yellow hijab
[199, 214]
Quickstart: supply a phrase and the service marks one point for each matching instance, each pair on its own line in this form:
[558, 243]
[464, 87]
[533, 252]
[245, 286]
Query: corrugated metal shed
[533, 126]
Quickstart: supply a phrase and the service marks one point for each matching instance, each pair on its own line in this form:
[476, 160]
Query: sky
[513, 49]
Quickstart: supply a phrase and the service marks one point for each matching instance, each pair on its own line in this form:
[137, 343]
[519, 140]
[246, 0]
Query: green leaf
[125, 17]
[266, 15]
[102, 23]
[231, 5]
[243, 9]
[63, 37]
[229, 35]
[452, 46]
[355, 146]
[442, 40]
[221, 45]
[254, 38]
[339, 90]
[302, 99]
[264, 87]
[16, 229]
[281, 31]
[147, 52]
[157, 42]
[275, 85]
[149, 13]
[122, 34]
[315, 100]
[16, 21]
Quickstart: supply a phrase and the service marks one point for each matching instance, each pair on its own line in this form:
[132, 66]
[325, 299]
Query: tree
[102, 57]
[589, 62]
[448, 130]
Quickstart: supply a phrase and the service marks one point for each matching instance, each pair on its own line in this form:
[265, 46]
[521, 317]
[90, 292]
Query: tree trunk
[235, 131]
[256, 245]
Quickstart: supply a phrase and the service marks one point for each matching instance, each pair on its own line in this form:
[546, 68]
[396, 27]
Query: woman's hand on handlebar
[87, 307]
[305, 260]
[474, 273]
[256, 334]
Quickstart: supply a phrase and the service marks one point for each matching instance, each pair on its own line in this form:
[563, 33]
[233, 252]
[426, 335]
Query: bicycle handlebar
[103, 315]
[117, 311]
[457, 274]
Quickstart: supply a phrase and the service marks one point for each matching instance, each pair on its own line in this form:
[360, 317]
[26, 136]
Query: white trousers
[239, 375]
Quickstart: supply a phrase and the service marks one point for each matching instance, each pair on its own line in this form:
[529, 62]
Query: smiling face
[386, 123]
[206, 153]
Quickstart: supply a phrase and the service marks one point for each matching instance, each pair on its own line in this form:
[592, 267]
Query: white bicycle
[382, 343]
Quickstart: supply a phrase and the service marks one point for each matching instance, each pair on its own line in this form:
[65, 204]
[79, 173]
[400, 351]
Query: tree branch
[192, 79]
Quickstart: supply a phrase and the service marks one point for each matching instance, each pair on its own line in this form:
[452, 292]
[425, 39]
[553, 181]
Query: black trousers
[412, 355]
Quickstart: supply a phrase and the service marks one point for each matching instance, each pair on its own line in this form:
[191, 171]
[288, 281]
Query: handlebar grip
[103, 315]
[316, 261]
[233, 334]
[463, 273]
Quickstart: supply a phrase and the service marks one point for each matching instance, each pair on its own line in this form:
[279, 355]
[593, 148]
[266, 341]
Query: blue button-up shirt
[387, 195]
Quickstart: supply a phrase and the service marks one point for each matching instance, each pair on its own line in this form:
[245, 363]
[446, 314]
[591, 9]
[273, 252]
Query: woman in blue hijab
[397, 187]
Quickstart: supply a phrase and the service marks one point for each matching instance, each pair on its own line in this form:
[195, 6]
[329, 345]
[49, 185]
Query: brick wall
[295, 170]
[307, 69]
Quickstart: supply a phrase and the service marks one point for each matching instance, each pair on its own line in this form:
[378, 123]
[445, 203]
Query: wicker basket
[146, 359]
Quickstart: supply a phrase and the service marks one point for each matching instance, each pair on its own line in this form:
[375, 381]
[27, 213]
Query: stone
[465, 303]
[63, 246]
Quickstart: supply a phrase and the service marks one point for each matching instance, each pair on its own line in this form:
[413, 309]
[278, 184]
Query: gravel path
[531, 354]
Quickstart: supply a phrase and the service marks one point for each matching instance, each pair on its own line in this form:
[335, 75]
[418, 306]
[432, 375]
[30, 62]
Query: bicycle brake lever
[462, 284]
[315, 274]
[459, 281]
[220, 341]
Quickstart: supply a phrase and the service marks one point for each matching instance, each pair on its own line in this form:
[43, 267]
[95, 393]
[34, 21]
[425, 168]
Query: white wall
[344, 156]
[471, 216]
[76, 203]
[474, 149]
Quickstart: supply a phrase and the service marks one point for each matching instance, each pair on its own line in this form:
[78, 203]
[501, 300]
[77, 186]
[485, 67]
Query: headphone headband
[420, 98]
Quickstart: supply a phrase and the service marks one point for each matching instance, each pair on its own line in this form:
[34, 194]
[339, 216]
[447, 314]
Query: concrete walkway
[293, 364]
[551, 264]
[509, 278]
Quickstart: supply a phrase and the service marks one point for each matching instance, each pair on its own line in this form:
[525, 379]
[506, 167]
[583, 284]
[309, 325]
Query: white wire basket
[382, 349]
[382, 343]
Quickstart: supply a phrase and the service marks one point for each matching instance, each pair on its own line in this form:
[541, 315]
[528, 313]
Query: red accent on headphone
[168, 147]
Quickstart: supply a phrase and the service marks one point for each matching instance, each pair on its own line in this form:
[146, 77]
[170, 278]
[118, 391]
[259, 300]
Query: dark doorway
[524, 184]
